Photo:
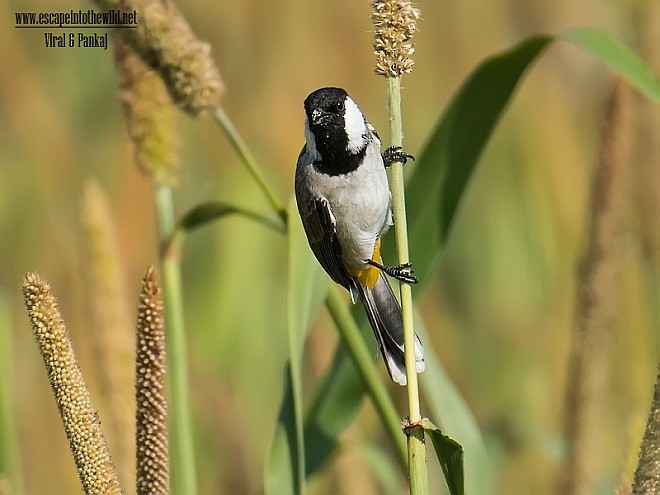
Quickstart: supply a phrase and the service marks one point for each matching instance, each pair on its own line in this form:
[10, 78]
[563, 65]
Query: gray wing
[319, 223]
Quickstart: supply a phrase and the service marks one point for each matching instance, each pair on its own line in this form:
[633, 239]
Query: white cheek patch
[311, 142]
[356, 128]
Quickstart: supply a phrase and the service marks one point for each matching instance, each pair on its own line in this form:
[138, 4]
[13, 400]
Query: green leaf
[450, 455]
[307, 284]
[381, 465]
[284, 461]
[214, 210]
[307, 287]
[336, 400]
[444, 169]
[618, 56]
[335, 405]
[450, 410]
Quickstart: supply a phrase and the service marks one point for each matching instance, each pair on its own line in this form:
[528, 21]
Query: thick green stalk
[184, 481]
[418, 471]
[225, 123]
[364, 363]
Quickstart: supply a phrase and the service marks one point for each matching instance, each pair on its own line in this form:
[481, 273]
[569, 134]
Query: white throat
[356, 127]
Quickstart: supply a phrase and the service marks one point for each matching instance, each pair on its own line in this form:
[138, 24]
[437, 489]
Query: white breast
[360, 202]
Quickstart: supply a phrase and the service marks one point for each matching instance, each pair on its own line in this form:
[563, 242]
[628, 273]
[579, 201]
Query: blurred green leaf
[442, 173]
[618, 56]
[336, 400]
[284, 460]
[449, 409]
[307, 287]
[334, 406]
[307, 284]
[381, 465]
[450, 455]
[213, 210]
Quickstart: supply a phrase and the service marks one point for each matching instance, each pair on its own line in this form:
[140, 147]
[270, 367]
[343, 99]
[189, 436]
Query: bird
[343, 199]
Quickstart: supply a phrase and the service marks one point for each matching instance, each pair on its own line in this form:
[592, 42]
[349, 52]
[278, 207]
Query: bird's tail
[384, 313]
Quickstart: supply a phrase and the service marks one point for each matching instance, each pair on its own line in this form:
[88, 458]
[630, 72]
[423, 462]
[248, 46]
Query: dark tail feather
[384, 313]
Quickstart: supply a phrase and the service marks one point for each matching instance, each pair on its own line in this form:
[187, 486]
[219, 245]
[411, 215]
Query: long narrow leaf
[284, 461]
[618, 56]
[451, 412]
[307, 286]
[336, 402]
[446, 165]
[334, 406]
[307, 283]
[442, 173]
[214, 210]
[383, 468]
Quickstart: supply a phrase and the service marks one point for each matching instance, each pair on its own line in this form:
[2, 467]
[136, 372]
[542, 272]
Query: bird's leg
[401, 272]
[395, 154]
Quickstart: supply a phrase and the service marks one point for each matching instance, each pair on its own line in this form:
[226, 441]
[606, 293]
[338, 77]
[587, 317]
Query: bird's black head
[335, 129]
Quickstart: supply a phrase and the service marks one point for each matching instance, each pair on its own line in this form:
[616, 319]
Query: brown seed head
[395, 23]
[79, 418]
[164, 40]
[149, 114]
[150, 375]
[112, 333]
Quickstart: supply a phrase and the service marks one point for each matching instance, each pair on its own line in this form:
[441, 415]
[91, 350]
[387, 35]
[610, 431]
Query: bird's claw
[395, 154]
[402, 272]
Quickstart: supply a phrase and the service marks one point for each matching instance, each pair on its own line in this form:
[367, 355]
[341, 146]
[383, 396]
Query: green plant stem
[184, 480]
[225, 123]
[418, 471]
[364, 363]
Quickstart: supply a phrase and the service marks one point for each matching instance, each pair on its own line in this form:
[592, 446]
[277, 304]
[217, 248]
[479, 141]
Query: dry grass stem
[149, 114]
[395, 23]
[165, 41]
[647, 475]
[80, 419]
[113, 335]
[150, 376]
[597, 303]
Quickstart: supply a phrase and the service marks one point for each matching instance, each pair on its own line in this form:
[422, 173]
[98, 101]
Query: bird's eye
[339, 106]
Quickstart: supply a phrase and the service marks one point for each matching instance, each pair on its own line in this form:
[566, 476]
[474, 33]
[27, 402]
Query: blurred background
[501, 310]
